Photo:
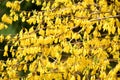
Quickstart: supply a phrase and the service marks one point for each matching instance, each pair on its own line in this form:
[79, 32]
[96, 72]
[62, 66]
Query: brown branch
[95, 12]
[21, 1]
[98, 19]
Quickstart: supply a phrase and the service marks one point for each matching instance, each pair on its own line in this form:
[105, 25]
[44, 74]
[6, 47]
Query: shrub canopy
[61, 39]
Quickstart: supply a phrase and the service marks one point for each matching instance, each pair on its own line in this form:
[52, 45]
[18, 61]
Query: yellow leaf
[89, 28]
[48, 40]
[5, 53]
[75, 36]
[15, 18]
[31, 29]
[38, 2]
[6, 48]
[72, 78]
[25, 67]
[23, 19]
[58, 21]
[8, 37]
[31, 20]
[40, 40]
[6, 19]
[8, 4]
[41, 32]
[93, 77]
[1, 38]
[2, 26]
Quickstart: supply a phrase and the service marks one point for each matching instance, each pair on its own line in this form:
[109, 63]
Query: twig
[104, 18]
[21, 1]
[95, 12]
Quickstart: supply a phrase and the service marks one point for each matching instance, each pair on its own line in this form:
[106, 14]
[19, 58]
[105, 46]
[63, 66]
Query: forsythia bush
[67, 40]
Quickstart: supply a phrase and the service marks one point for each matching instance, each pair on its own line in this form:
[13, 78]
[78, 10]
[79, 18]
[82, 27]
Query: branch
[116, 16]
[21, 1]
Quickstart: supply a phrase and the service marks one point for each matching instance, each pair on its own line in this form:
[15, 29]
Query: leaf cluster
[63, 40]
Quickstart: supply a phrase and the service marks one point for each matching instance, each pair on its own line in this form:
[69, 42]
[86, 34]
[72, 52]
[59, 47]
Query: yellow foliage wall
[68, 40]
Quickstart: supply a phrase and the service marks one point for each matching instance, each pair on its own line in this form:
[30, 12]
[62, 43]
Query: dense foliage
[61, 40]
